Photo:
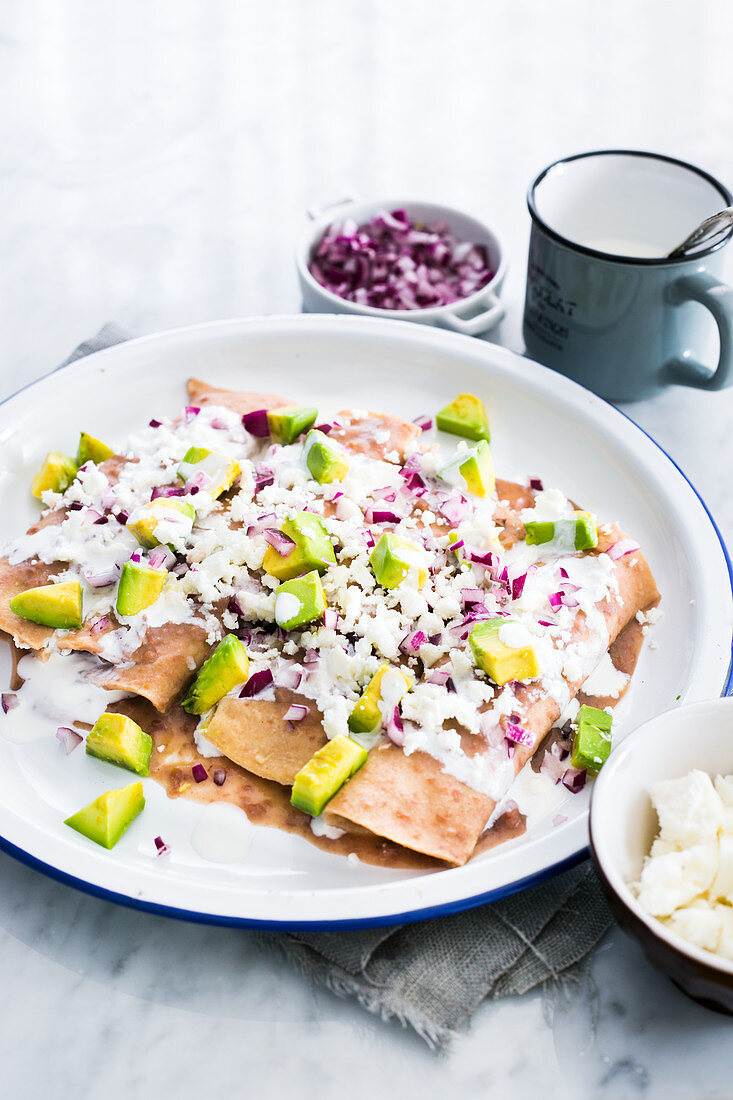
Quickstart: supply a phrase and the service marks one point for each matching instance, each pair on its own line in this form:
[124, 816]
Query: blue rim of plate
[412, 916]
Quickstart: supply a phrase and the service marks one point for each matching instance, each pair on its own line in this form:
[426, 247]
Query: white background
[155, 162]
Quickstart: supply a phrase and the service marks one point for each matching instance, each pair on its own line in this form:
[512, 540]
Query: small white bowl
[623, 825]
[472, 316]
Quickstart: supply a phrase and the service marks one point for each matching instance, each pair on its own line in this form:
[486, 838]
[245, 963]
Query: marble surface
[155, 163]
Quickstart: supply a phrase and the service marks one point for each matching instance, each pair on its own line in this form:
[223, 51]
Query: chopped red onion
[379, 515]
[450, 686]
[563, 572]
[192, 412]
[471, 596]
[99, 625]
[122, 517]
[262, 480]
[9, 701]
[219, 424]
[295, 713]
[289, 676]
[386, 493]
[104, 578]
[552, 767]
[256, 423]
[330, 618]
[574, 779]
[325, 428]
[162, 557]
[518, 586]
[199, 772]
[621, 548]
[488, 560]
[92, 515]
[519, 735]
[219, 776]
[394, 728]
[155, 423]
[536, 484]
[454, 509]
[411, 642]
[199, 480]
[257, 682]
[162, 849]
[555, 600]
[267, 522]
[439, 676]
[414, 484]
[456, 545]
[510, 749]
[337, 495]
[75, 506]
[424, 423]
[544, 622]
[391, 262]
[283, 544]
[167, 491]
[69, 738]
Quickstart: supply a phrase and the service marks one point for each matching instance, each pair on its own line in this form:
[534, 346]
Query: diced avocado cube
[162, 520]
[288, 423]
[105, 820]
[219, 471]
[227, 666]
[466, 416]
[299, 601]
[92, 450]
[139, 587]
[118, 740]
[382, 694]
[392, 559]
[313, 548]
[503, 649]
[576, 532]
[326, 460]
[57, 473]
[537, 532]
[586, 532]
[472, 470]
[327, 770]
[592, 739]
[55, 605]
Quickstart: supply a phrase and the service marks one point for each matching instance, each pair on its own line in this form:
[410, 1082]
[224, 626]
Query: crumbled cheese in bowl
[687, 878]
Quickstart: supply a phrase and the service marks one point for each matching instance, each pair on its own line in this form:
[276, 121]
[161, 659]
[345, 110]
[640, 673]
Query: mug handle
[481, 322]
[718, 298]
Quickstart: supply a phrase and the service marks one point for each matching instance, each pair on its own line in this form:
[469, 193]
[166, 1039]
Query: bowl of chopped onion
[413, 261]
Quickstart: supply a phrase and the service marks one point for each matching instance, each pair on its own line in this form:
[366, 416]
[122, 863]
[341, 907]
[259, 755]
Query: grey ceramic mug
[603, 305]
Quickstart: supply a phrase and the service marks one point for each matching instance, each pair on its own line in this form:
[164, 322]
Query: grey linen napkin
[434, 974]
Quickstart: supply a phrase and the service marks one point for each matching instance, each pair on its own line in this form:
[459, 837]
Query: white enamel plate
[542, 424]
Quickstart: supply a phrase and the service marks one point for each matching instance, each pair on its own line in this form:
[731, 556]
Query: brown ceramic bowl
[623, 825]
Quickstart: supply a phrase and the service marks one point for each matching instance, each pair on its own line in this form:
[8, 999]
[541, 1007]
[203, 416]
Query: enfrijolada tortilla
[331, 607]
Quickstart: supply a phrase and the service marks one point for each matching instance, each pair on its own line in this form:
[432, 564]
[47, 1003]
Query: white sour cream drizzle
[56, 692]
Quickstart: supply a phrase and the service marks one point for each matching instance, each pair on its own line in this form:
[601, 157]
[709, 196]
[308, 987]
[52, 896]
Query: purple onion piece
[257, 682]
[219, 776]
[9, 701]
[424, 423]
[574, 779]
[167, 491]
[256, 423]
[535, 483]
[296, 712]
[199, 772]
[155, 423]
[280, 542]
[69, 738]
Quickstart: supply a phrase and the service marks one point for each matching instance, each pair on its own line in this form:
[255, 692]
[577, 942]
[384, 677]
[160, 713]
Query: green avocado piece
[502, 663]
[392, 559]
[139, 587]
[92, 450]
[313, 548]
[472, 470]
[592, 739]
[326, 460]
[175, 516]
[57, 473]
[220, 470]
[227, 666]
[327, 770]
[105, 820]
[55, 605]
[367, 713]
[288, 423]
[299, 601]
[576, 532]
[466, 416]
[118, 740]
